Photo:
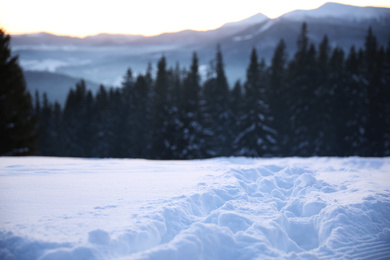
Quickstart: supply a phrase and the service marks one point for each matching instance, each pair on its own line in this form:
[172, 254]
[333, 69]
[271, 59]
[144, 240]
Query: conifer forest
[320, 101]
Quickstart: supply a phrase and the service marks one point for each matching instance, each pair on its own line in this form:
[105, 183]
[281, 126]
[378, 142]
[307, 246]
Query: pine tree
[50, 127]
[325, 103]
[218, 117]
[191, 130]
[175, 120]
[46, 128]
[141, 127]
[18, 125]
[302, 80]
[356, 118]
[373, 72]
[103, 131]
[116, 122]
[237, 105]
[386, 100]
[126, 137]
[337, 104]
[163, 115]
[77, 119]
[278, 97]
[141, 110]
[58, 131]
[256, 138]
[37, 105]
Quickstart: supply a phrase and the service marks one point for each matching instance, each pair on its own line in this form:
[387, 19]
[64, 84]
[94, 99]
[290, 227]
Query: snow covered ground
[224, 208]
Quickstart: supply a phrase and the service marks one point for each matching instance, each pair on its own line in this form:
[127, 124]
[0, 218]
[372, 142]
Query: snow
[255, 19]
[223, 208]
[340, 11]
[259, 31]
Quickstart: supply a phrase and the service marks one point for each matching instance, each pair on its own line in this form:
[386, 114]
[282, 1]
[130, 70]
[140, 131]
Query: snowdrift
[225, 208]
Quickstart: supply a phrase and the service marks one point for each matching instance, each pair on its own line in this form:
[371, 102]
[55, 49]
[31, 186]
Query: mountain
[55, 85]
[344, 25]
[104, 58]
[111, 39]
[255, 19]
[340, 12]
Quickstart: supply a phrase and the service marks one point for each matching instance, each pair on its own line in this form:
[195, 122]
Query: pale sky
[146, 17]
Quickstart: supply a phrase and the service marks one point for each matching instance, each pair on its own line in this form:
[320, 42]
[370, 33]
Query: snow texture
[224, 208]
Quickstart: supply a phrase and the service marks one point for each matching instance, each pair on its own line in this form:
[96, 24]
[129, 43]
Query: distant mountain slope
[105, 58]
[55, 85]
[344, 25]
[340, 11]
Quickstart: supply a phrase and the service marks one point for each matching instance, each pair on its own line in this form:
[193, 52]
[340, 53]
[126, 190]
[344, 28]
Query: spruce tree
[18, 124]
[386, 96]
[78, 127]
[163, 115]
[302, 80]
[175, 123]
[337, 103]
[373, 72]
[141, 127]
[218, 117]
[256, 138]
[125, 134]
[191, 130]
[103, 131]
[355, 115]
[116, 122]
[278, 97]
[46, 127]
[50, 127]
[237, 105]
[160, 112]
[325, 102]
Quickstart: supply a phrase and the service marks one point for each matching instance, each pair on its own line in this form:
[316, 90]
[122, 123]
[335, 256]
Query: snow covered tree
[116, 122]
[124, 133]
[164, 115]
[77, 122]
[217, 114]
[256, 138]
[18, 124]
[237, 105]
[175, 120]
[317, 103]
[103, 124]
[278, 98]
[335, 103]
[50, 139]
[160, 108]
[302, 85]
[355, 120]
[386, 101]
[141, 127]
[325, 101]
[191, 130]
[376, 91]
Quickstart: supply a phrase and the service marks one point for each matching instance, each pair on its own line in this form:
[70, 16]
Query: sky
[146, 17]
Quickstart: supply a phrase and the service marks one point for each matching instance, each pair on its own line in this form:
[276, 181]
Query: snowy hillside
[340, 11]
[226, 208]
[255, 19]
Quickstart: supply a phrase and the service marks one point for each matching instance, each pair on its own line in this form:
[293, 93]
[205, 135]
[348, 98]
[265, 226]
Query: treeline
[320, 102]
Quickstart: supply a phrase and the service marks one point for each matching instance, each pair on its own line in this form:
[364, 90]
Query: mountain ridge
[104, 58]
[337, 10]
[326, 10]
